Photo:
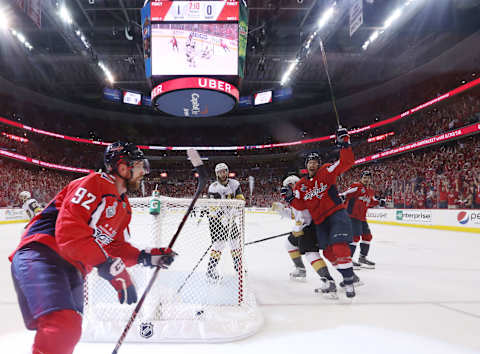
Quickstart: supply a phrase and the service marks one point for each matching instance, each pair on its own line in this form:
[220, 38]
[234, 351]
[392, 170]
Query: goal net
[203, 297]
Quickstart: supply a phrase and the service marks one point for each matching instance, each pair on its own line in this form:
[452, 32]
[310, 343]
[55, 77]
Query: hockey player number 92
[79, 194]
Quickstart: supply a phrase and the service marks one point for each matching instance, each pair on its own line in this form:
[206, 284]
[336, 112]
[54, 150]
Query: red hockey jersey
[84, 223]
[359, 198]
[319, 194]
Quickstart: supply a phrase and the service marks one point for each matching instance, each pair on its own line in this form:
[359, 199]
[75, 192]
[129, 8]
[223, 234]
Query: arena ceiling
[61, 66]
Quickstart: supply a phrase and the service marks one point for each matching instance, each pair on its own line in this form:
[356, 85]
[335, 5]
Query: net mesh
[203, 297]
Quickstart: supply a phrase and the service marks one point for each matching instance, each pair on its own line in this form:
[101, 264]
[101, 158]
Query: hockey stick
[194, 268]
[267, 238]
[202, 182]
[325, 64]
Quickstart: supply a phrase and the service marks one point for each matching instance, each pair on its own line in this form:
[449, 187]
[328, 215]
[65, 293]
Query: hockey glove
[157, 257]
[114, 270]
[343, 139]
[342, 197]
[287, 194]
[382, 203]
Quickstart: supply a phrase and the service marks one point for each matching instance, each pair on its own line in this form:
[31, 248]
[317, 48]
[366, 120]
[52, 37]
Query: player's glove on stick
[115, 272]
[343, 139]
[157, 257]
[287, 194]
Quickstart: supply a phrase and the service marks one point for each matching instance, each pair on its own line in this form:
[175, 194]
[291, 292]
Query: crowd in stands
[43, 184]
[457, 112]
[447, 176]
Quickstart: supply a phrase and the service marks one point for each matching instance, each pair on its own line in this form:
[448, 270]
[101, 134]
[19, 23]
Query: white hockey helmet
[24, 196]
[221, 166]
[289, 180]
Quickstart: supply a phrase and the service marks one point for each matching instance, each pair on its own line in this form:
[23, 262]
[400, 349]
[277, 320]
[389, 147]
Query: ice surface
[422, 298]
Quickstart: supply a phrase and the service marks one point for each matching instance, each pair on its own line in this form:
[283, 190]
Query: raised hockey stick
[202, 182]
[267, 238]
[332, 95]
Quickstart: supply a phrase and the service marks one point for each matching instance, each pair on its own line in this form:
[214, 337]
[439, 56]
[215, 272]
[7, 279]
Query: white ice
[422, 298]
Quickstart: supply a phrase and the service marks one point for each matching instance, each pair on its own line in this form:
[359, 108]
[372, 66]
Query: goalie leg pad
[58, 332]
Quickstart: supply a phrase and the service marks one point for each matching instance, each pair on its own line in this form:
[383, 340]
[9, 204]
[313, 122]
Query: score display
[187, 11]
[194, 49]
[192, 40]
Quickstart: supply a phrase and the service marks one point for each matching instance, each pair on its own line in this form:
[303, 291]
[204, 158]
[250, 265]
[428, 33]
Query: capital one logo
[462, 217]
[399, 215]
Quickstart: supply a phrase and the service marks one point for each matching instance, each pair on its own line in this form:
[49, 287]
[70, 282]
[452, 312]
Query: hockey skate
[356, 265]
[356, 282]
[213, 277]
[299, 274]
[328, 289]
[350, 291]
[365, 263]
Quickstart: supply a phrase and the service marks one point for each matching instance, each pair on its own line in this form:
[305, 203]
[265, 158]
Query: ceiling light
[4, 24]
[396, 14]
[326, 17]
[65, 15]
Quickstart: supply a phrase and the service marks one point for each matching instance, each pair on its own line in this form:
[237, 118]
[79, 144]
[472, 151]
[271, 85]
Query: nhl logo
[146, 329]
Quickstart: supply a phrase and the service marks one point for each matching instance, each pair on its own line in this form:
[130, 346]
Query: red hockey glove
[114, 270]
[157, 257]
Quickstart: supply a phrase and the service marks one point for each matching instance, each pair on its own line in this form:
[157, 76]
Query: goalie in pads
[222, 227]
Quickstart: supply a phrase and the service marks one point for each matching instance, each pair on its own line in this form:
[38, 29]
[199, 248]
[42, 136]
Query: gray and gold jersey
[231, 190]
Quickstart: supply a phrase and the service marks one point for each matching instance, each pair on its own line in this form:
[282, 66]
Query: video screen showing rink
[195, 49]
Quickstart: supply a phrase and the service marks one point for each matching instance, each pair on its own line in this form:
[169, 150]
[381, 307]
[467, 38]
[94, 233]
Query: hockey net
[203, 297]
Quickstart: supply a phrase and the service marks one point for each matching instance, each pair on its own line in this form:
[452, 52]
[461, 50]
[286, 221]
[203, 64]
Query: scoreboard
[186, 11]
[195, 41]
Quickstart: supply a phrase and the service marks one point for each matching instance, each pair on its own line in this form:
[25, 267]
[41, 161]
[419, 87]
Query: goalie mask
[24, 196]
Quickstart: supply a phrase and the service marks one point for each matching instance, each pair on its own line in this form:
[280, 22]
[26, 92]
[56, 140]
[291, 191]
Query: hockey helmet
[24, 196]
[221, 166]
[312, 156]
[128, 153]
[289, 180]
[366, 173]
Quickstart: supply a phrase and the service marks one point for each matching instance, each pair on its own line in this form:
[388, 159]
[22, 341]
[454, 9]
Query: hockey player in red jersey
[359, 197]
[319, 195]
[84, 226]
[174, 43]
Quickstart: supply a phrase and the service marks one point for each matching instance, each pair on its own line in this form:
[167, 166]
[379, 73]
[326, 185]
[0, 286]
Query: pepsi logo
[462, 217]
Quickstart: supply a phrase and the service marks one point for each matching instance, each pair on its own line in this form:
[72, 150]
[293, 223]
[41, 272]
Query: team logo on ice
[462, 217]
[146, 329]
[111, 210]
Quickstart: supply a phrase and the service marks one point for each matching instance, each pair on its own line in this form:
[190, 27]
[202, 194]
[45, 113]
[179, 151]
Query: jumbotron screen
[194, 49]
